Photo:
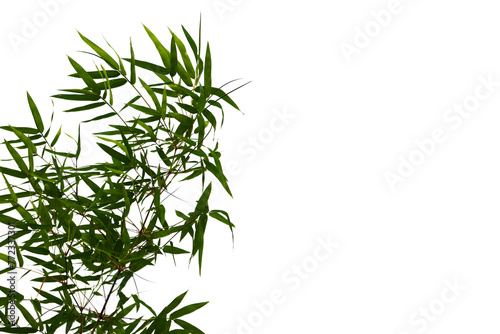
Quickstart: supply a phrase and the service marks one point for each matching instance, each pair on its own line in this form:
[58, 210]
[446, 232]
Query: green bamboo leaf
[168, 231]
[11, 191]
[26, 141]
[184, 75]
[183, 119]
[210, 117]
[85, 76]
[12, 172]
[152, 94]
[115, 83]
[187, 309]
[103, 54]
[18, 330]
[173, 57]
[191, 42]
[145, 110]
[164, 54]
[128, 148]
[133, 76]
[77, 97]
[149, 66]
[36, 250]
[98, 74]
[219, 175]
[191, 329]
[107, 85]
[224, 96]
[122, 68]
[202, 206]
[35, 113]
[86, 107]
[113, 153]
[127, 201]
[174, 303]
[208, 71]
[27, 315]
[148, 129]
[19, 255]
[17, 158]
[63, 154]
[78, 144]
[221, 216]
[201, 129]
[184, 55]
[107, 115]
[170, 249]
[187, 107]
[5, 258]
[56, 137]
[164, 103]
[23, 129]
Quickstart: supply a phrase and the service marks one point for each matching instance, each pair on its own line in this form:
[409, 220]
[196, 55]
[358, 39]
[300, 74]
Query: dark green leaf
[98, 74]
[208, 71]
[133, 76]
[113, 153]
[187, 309]
[17, 158]
[18, 330]
[56, 138]
[173, 57]
[149, 66]
[35, 113]
[174, 303]
[86, 107]
[77, 97]
[191, 42]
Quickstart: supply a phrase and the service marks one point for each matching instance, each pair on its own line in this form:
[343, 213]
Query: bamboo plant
[85, 230]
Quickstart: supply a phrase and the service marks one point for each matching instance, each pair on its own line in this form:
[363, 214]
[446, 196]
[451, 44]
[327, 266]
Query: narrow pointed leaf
[208, 71]
[133, 76]
[164, 54]
[84, 76]
[35, 113]
[103, 54]
[86, 107]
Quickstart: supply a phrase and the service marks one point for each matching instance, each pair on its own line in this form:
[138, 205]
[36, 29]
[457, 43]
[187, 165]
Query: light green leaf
[164, 54]
[103, 54]
[184, 55]
[85, 76]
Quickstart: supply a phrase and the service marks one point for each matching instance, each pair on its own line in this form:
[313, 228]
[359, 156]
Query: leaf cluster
[86, 230]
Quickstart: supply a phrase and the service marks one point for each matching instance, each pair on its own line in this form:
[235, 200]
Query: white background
[320, 173]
